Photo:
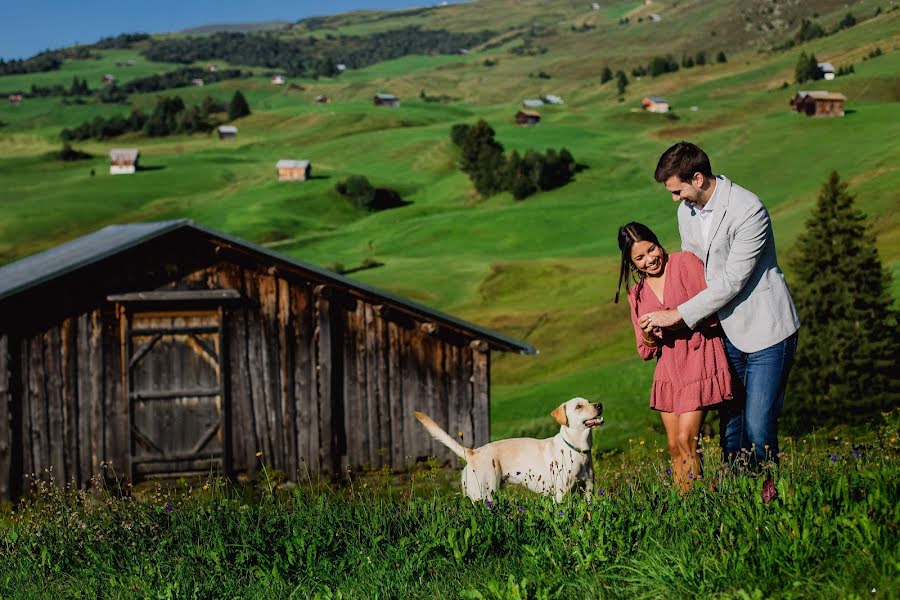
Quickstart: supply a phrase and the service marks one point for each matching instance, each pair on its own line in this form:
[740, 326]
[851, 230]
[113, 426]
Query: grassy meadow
[826, 529]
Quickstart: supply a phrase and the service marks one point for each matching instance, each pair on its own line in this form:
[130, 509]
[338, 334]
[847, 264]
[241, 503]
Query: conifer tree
[238, 107]
[845, 367]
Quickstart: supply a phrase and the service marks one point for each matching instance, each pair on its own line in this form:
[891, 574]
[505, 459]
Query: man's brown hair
[683, 159]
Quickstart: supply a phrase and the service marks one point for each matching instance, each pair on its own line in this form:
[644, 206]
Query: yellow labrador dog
[549, 466]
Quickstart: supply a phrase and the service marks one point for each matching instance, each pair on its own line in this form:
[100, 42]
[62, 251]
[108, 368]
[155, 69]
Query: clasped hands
[653, 323]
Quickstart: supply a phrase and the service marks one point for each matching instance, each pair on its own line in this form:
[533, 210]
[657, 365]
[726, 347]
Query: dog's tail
[442, 436]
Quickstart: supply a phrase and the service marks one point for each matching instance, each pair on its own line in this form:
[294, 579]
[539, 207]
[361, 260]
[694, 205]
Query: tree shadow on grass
[150, 167]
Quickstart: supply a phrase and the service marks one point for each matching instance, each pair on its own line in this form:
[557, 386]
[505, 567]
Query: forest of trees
[482, 158]
[170, 115]
[312, 56]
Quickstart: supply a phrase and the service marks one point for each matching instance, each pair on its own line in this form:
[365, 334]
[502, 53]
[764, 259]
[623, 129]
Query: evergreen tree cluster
[45, 61]
[846, 363]
[362, 194]
[660, 65]
[482, 158]
[169, 116]
[807, 68]
[312, 56]
[121, 41]
[179, 78]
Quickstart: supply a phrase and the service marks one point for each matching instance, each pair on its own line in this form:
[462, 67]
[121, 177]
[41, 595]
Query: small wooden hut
[293, 170]
[389, 100]
[227, 132]
[655, 104]
[169, 349]
[819, 103]
[123, 161]
[528, 117]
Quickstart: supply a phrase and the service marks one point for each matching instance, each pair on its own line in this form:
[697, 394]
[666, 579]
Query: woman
[692, 372]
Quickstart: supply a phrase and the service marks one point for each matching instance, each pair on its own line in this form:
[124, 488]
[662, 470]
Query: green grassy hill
[543, 269]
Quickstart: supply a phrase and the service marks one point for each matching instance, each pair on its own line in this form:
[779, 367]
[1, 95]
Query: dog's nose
[598, 406]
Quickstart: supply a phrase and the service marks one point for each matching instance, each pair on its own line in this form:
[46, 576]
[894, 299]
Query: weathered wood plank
[6, 434]
[381, 352]
[370, 343]
[306, 422]
[414, 436]
[482, 400]
[69, 372]
[25, 410]
[394, 391]
[466, 396]
[329, 451]
[38, 399]
[268, 365]
[83, 396]
[117, 451]
[452, 376]
[255, 369]
[287, 341]
[53, 386]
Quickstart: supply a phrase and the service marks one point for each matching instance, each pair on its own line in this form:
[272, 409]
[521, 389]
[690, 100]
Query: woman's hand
[662, 318]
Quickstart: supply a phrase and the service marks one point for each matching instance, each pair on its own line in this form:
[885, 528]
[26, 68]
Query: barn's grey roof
[92, 248]
[227, 129]
[291, 164]
[124, 154]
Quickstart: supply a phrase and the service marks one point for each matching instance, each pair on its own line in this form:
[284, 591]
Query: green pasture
[543, 269]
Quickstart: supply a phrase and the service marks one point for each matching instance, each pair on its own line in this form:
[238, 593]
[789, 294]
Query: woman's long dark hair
[628, 236]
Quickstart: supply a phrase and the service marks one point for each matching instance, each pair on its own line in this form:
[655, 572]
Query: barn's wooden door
[177, 409]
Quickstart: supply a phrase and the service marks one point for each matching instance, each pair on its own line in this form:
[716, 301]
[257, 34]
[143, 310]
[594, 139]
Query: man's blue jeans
[750, 421]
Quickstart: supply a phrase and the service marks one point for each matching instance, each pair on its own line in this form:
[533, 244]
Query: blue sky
[30, 26]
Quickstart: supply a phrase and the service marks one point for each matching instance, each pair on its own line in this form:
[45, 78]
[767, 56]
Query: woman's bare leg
[671, 423]
[689, 425]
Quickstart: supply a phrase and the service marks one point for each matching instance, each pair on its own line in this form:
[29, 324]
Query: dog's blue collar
[573, 447]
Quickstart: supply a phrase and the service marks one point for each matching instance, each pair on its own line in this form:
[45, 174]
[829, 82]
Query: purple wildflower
[856, 454]
[521, 510]
[489, 504]
[600, 492]
[668, 471]
[169, 508]
[690, 475]
[834, 458]
[561, 513]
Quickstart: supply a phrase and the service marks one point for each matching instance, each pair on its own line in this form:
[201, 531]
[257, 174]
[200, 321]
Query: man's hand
[663, 318]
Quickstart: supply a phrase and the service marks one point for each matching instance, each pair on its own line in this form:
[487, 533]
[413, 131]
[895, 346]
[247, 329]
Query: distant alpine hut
[197, 82]
[15, 98]
[293, 170]
[160, 350]
[123, 161]
[322, 100]
[655, 104]
[552, 99]
[827, 70]
[389, 100]
[278, 79]
[227, 132]
[528, 117]
[819, 103]
[211, 68]
[532, 102]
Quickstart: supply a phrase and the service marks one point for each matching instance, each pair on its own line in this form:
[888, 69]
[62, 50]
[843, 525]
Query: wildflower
[642, 442]
[489, 504]
[600, 492]
[561, 513]
[856, 454]
[834, 458]
[258, 454]
[668, 471]
[521, 510]
[169, 508]
[690, 475]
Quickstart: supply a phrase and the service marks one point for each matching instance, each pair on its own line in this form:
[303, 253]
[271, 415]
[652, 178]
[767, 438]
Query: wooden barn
[227, 132]
[655, 104]
[123, 161]
[293, 170]
[168, 349]
[528, 117]
[819, 103]
[388, 100]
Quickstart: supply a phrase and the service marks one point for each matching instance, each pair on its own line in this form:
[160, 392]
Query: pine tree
[606, 75]
[621, 82]
[847, 355]
[238, 106]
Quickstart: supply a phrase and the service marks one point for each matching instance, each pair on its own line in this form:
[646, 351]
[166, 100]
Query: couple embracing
[718, 316]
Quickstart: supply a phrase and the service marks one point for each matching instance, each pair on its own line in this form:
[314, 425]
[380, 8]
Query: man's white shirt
[706, 213]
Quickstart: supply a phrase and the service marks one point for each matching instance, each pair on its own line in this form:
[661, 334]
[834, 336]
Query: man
[729, 229]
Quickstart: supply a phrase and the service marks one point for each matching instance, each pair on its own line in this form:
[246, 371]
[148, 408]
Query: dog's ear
[559, 413]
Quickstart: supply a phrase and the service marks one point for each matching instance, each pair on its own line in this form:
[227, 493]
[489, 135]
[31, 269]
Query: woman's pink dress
[692, 369]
